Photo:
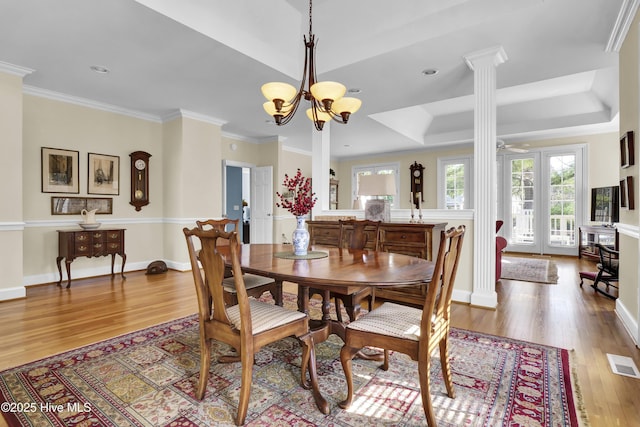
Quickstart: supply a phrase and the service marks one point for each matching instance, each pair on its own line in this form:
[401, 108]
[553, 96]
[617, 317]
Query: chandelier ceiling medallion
[326, 98]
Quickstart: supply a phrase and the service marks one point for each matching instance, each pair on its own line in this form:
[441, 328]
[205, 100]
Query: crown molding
[180, 113]
[16, 70]
[83, 102]
[242, 138]
[621, 27]
[297, 150]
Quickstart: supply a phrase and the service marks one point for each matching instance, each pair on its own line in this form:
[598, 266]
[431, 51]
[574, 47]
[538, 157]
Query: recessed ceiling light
[347, 145]
[430, 72]
[99, 69]
[354, 90]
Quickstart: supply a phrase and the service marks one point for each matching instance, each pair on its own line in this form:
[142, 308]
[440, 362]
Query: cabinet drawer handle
[114, 235]
[82, 248]
[81, 237]
[404, 236]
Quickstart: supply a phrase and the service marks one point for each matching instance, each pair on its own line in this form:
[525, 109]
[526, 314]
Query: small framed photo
[623, 193]
[627, 154]
[104, 174]
[59, 170]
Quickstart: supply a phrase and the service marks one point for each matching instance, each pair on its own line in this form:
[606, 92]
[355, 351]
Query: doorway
[544, 199]
[248, 196]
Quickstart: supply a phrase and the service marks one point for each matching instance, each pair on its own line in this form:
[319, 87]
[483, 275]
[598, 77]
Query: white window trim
[441, 179]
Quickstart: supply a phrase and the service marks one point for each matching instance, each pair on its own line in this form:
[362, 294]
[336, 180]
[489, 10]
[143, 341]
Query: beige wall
[627, 303]
[602, 153]
[11, 207]
[49, 123]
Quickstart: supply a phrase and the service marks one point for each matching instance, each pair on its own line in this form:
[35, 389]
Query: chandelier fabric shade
[326, 98]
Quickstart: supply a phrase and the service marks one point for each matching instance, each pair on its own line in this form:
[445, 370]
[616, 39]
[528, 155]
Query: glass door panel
[523, 206]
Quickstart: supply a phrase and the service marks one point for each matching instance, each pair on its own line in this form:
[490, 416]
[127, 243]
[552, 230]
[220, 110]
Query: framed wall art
[627, 154]
[623, 193]
[104, 174]
[630, 194]
[59, 170]
[75, 205]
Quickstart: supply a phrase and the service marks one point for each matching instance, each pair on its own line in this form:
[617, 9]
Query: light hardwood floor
[52, 320]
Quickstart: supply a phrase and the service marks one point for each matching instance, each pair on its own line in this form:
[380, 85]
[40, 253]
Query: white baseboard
[13, 293]
[461, 296]
[628, 320]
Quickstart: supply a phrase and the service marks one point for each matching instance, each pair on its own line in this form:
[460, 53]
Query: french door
[543, 202]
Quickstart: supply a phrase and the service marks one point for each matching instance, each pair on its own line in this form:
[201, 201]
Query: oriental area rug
[148, 378]
[537, 270]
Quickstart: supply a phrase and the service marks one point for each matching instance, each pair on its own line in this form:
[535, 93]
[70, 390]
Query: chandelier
[326, 98]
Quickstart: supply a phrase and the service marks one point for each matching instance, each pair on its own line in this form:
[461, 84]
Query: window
[454, 190]
[386, 168]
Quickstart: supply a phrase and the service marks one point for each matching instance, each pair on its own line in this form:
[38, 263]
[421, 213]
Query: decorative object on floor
[150, 376]
[326, 98]
[157, 267]
[529, 269]
[299, 200]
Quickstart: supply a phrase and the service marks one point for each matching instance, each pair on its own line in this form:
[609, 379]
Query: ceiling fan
[501, 146]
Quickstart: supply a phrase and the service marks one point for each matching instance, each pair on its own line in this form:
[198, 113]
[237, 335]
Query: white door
[262, 204]
[543, 200]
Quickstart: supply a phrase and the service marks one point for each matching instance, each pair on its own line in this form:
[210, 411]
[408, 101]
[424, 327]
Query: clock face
[140, 164]
[416, 173]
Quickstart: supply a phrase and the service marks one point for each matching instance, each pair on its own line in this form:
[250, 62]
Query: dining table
[330, 269]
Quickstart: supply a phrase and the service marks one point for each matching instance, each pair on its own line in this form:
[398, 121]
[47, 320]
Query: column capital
[496, 55]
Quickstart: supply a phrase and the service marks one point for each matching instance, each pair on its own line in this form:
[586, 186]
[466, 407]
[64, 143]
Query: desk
[343, 270]
[89, 243]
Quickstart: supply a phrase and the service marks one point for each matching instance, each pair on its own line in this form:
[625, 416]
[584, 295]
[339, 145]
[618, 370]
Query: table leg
[124, 260]
[58, 259]
[68, 264]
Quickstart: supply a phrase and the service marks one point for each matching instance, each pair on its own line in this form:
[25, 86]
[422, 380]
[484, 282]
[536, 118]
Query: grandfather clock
[417, 181]
[139, 179]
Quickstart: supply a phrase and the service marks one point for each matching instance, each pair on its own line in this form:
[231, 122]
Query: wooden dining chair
[247, 326]
[354, 234]
[412, 331]
[256, 285]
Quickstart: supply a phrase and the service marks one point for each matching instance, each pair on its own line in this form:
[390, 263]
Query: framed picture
[627, 154]
[59, 171]
[630, 196]
[104, 174]
[623, 194]
[75, 205]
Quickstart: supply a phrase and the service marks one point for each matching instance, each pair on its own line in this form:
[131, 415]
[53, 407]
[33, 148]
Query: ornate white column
[484, 63]
[320, 157]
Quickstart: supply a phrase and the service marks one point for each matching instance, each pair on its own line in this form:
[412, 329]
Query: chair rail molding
[629, 230]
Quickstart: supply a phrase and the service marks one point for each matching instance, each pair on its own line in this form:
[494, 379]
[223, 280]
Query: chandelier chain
[310, 20]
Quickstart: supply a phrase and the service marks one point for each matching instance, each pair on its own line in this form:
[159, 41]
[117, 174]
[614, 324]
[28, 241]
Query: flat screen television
[605, 204]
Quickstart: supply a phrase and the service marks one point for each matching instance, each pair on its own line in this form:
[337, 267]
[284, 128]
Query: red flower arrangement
[298, 199]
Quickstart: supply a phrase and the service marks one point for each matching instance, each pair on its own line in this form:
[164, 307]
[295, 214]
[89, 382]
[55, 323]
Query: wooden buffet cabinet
[419, 240]
[89, 243]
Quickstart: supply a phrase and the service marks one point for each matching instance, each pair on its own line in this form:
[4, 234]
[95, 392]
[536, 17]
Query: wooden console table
[89, 243]
[415, 239]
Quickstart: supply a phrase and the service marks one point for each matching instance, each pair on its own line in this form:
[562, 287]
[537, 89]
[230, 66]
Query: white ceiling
[210, 58]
